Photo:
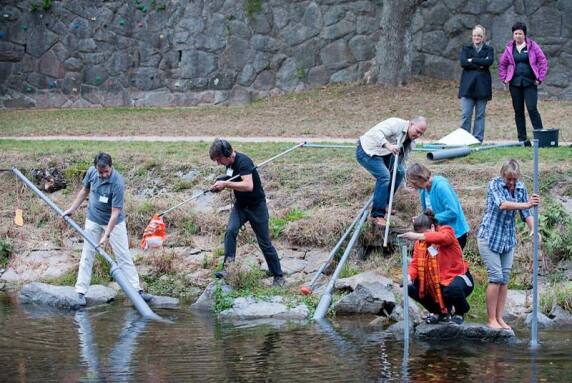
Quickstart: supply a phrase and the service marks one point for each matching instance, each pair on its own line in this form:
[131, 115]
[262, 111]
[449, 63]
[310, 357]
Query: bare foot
[504, 325]
[494, 325]
[379, 221]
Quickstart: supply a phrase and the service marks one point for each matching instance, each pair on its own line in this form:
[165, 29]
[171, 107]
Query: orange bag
[154, 234]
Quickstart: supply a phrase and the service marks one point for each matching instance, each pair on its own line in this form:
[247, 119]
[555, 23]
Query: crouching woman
[439, 277]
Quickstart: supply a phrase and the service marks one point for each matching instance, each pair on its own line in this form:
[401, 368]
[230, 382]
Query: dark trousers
[455, 295]
[525, 95]
[462, 241]
[258, 218]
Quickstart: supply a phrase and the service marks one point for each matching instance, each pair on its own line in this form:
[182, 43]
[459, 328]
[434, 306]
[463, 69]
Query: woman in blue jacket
[475, 88]
[438, 195]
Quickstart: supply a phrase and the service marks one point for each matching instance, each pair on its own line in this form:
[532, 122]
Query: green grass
[560, 294]
[6, 250]
[101, 275]
[277, 225]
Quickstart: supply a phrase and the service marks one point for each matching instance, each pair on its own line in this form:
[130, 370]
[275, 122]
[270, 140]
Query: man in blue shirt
[105, 222]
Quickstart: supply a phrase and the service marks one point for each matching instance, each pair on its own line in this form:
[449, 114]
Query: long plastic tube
[389, 206]
[534, 324]
[335, 146]
[116, 272]
[326, 298]
[464, 151]
[405, 294]
[310, 287]
[232, 178]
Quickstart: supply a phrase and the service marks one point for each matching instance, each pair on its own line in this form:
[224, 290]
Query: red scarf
[428, 273]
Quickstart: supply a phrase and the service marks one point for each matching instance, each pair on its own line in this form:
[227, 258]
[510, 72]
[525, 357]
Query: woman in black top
[475, 87]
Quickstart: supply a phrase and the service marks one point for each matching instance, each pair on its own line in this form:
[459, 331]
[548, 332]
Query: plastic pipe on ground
[116, 272]
[464, 151]
[310, 145]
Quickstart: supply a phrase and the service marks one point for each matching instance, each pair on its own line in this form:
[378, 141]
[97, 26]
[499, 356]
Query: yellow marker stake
[19, 219]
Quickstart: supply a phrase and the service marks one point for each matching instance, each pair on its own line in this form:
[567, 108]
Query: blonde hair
[510, 168]
[483, 30]
[418, 172]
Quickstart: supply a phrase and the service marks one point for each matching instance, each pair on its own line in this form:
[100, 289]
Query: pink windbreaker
[538, 61]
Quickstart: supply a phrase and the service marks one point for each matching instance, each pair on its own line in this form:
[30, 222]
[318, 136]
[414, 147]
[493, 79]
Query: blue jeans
[378, 167]
[467, 106]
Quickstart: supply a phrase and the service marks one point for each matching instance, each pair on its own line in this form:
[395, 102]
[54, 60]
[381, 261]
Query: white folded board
[458, 137]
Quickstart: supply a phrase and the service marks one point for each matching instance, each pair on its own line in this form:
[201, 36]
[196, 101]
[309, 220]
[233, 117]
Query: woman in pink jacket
[523, 66]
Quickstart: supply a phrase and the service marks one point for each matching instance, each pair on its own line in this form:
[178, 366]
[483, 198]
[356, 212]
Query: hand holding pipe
[116, 272]
[232, 178]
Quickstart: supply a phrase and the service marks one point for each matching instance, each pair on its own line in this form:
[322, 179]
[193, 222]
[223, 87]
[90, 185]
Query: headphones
[225, 147]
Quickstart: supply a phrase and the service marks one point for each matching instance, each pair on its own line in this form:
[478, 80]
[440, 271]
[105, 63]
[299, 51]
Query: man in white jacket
[376, 153]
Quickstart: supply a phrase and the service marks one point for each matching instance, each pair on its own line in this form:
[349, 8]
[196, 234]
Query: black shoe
[527, 144]
[434, 319]
[221, 274]
[146, 297]
[82, 300]
[278, 282]
[457, 319]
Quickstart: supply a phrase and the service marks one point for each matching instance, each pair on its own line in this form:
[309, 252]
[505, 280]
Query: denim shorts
[498, 265]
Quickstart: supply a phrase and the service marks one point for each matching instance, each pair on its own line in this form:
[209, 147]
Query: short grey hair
[418, 119]
[510, 168]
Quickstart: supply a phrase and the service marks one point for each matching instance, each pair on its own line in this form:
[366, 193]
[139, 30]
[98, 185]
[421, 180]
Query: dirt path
[336, 140]
[181, 138]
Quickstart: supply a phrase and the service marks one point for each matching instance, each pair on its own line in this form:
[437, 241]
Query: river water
[111, 344]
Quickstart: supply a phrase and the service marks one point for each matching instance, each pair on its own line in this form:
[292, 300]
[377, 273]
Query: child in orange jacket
[439, 277]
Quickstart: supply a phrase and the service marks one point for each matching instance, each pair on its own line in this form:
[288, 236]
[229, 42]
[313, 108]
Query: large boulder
[98, 294]
[164, 302]
[414, 313]
[560, 316]
[254, 308]
[367, 298]
[543, 321]
[350, 283]
[471, 331]
[517, 303]
[397, 330]
[206, 301]
[63, 297]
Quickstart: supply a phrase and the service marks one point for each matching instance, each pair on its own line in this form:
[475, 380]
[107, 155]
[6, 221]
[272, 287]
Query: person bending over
[439, 277]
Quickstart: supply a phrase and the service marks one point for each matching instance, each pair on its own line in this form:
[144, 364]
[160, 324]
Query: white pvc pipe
[392, 190]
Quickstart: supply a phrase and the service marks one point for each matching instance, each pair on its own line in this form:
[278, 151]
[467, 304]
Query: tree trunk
[393, 51]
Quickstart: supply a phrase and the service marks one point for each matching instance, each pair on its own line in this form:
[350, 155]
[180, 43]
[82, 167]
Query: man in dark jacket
[249, 206]
[475, 88]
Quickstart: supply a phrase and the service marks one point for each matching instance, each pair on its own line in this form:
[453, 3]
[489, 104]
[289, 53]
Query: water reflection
[118, 367]
[112, 344]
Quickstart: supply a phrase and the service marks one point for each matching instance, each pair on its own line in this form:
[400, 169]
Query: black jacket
[476, 77]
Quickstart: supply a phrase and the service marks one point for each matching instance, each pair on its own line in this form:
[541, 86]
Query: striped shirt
[498, 226]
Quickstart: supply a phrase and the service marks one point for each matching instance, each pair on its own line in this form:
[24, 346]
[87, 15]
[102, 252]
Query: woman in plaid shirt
[497, 235]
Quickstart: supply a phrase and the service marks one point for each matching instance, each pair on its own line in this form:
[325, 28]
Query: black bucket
[547, 138]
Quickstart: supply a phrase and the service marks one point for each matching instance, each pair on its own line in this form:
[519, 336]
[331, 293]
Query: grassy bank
[313, 194]
[345, 110]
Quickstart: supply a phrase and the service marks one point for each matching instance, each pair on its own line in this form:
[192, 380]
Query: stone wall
[80, 53]
[441, 27]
